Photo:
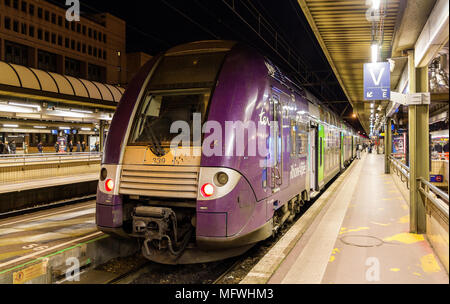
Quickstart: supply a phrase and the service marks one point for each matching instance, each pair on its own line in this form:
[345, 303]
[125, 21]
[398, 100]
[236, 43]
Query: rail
[401, 170]
[435, 195]
[27, 159]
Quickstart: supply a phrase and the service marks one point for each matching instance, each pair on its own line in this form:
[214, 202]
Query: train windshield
[160, 110]
[179, 87]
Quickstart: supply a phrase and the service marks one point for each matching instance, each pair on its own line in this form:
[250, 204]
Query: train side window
[301, 139]
[293, 138]
[320, 151]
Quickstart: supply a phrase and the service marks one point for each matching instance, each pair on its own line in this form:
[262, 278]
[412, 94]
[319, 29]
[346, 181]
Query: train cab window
[160, 109]
[187, 71]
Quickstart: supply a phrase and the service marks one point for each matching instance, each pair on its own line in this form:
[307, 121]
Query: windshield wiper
[156, 144]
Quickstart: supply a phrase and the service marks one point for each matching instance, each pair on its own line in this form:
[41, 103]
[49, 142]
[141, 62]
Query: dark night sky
[156, 25]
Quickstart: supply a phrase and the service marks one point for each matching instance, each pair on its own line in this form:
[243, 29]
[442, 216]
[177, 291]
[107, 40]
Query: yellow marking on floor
[395, 269]
[429, 264]
[332, 258]
[405, 207]
[406, 238]
[381, 224]
[336, 250]
[417, 274]
[354, 230]
[6, 255]
[404, 219]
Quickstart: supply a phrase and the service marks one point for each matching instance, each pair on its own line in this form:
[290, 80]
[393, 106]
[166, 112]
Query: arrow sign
[377, 81]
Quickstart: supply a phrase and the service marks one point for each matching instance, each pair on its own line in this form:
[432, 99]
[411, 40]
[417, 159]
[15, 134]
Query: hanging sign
[377, 81]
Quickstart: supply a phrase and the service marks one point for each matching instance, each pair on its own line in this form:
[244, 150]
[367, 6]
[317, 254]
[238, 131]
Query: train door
[342, 149]
[313, 136]
[276, 163]
[321, 155]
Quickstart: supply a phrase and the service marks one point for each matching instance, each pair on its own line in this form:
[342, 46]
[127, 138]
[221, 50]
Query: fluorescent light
[64, 128]
[66, 114]
[85, 129]
[40, 127]
[375, 48]
[27, 105]
[14, 109]
[11, 126]
[376, 4]
[81, 111]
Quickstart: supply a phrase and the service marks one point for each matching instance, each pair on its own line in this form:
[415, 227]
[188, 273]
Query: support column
[418, 116]
[102, 135]
[387, 145]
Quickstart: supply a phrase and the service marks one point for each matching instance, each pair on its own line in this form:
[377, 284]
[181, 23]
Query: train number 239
[159, 160]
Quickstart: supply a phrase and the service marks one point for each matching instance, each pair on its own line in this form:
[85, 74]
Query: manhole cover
[361, 241]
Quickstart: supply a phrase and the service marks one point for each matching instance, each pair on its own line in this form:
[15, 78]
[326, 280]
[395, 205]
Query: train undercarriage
[167, 233]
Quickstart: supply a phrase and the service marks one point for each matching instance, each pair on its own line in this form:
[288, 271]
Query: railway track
[62, 203]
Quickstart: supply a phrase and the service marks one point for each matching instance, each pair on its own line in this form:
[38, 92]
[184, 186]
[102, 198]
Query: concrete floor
[362, 237]
[28, 237]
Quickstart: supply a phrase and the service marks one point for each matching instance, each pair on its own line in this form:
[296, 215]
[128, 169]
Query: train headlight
[207, 190]
[109, 185]
[221, 179]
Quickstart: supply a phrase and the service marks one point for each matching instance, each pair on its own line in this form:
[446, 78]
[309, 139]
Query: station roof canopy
[24, 82]
[345, 35]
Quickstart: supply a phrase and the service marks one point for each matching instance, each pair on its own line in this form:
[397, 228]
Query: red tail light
[207, 190]
[109, 185]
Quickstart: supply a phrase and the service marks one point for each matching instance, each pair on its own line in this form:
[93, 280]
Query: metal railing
[432, 193]
[435, 195]
[401, 170]
[27, 159]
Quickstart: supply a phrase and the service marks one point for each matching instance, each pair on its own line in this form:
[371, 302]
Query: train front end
[150, 189]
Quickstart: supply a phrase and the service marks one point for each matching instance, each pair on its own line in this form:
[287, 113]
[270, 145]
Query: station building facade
[50, 63]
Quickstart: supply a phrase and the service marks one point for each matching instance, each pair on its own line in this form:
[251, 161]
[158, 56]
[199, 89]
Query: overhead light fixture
[11, 126]
[85, 129]
[40, 127]
[62, 113]
[376, 4]
[82, 111]
[15, 109]
[375, 48]
[26, 105]
[64, 128]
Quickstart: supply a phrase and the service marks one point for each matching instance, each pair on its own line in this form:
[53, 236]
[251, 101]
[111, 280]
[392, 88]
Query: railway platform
[359, 236]
[40, 247]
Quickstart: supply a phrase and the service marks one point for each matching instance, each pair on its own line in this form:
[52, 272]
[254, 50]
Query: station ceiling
[332, 38]
[259, 24]
[345, 35]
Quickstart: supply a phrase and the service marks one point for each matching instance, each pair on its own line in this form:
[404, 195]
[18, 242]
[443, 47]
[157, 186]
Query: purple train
[187, 207]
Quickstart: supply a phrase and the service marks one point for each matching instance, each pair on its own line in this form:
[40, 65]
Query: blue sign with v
[377, 81]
